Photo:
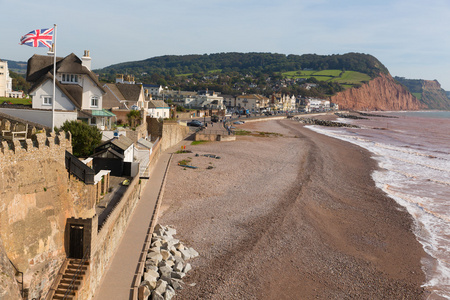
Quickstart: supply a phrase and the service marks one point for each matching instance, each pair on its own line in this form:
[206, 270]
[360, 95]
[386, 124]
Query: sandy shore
[290, 216]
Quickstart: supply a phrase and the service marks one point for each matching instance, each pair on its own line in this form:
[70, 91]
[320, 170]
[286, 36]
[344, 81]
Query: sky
[410, 37]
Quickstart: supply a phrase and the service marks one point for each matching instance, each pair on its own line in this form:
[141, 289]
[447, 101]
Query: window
[94, 101]
[69, 78]
[46, 100]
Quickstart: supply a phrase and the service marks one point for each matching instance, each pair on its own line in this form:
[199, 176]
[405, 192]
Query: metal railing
[71, 286]
[20, 273]
[79, 169]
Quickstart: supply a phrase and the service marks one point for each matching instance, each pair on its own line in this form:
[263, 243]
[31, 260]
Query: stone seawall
[36, 198]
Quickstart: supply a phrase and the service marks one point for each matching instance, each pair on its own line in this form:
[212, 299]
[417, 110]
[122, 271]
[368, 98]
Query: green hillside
[263, 73]
[245, 63]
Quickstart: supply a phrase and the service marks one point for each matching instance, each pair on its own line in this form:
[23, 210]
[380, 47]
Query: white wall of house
[90, 89]
[159, 112]
[43, 117]
[46, 90]
[4, 75]
[129, 153]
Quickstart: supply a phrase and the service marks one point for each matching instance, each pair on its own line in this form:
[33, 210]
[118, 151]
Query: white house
[152, 89]
[205, 100]
[318, 104]
[158, 109]
[78, 90]
[5, 79]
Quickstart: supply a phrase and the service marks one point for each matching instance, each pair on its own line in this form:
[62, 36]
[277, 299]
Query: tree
[84, 137]
[134, 117]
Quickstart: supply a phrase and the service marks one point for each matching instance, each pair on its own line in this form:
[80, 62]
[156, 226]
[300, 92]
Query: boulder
[156, 295]
[155, 256]
[165, 254]
[169, 294]
[150, 267]
[179, 246]
[171, 231]
[176, 253]
[168, 263]
[151, 262]
[151, 275]
[156, 243]
[165, 271]
[161, 286]
[143, 291]
[187, 268]
[177, 275]
[185, 254]
[176, 284]
[193, 253]
[178, 267]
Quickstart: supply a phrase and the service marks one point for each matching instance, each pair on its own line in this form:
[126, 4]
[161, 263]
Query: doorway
[76, 241]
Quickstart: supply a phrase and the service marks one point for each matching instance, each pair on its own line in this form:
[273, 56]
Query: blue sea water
[413, 153]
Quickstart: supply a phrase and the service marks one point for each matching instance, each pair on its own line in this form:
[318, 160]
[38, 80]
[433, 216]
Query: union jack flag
[38, 38]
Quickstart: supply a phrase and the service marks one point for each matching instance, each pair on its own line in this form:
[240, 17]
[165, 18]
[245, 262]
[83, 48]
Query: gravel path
[293, 215]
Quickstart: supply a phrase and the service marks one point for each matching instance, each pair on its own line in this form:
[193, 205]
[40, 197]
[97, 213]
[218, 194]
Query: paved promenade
[116, 283]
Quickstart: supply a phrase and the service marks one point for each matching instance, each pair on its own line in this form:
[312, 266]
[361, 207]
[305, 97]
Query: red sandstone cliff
[434, 96]
[381, 93]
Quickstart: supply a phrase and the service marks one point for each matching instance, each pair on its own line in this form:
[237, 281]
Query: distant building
[158, 109]
[205, 100]
[124, 96]
[5, 80]
[252, 102]
[152, 89]
[315, 104]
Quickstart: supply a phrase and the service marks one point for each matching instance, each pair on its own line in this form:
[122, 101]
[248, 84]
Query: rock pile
[310, 121]
[165, 266]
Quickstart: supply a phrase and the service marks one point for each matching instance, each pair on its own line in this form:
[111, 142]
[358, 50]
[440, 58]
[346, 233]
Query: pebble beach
[287, 213]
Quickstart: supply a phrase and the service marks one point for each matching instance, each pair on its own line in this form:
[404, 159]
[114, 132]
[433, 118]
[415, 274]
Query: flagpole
[54, 77]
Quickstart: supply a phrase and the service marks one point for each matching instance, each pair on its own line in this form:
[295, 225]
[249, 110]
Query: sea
[413, 152]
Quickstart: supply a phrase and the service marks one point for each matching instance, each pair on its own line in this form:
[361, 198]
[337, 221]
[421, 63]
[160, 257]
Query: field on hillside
[346, 78]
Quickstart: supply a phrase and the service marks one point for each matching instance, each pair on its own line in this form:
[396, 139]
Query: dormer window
[69, 78]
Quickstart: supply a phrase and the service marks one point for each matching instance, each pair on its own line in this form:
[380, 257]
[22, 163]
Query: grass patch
[241, 132]
[215, 71]
[198, 142]
[15, 100]
[417, 95]
[352, 77]
[184, 162]
[331, 73]
[266, 134]
[183, 151]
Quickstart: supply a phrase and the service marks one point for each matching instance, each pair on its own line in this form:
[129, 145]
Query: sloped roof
[108, 151]
[122, 142]
[39, 65]
[117, 93]
[157, 104]
[130, 92]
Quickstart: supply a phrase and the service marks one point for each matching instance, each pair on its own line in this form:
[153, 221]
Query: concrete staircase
[70, 280]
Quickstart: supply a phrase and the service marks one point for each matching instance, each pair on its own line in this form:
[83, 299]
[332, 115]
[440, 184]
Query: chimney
[86, 60]
[51, 51]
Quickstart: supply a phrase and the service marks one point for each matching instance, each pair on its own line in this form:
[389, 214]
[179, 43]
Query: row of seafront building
[251, 103]
[81, 96]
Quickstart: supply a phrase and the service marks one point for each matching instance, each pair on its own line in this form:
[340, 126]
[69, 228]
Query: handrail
[75, 276]
[17, 271]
